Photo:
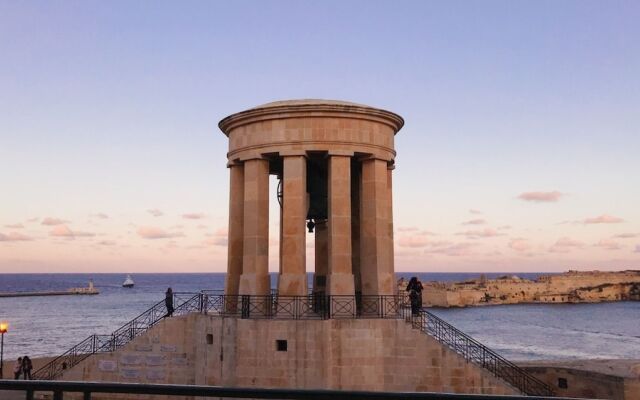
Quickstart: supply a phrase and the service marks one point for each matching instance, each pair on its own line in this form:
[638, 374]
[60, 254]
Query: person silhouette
[168, 301]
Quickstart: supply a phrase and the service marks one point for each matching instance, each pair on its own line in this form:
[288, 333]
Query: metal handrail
[108, 343]
[89, 388]
[476, 352]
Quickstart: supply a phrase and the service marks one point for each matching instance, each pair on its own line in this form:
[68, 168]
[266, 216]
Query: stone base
[292, 285]
[340, 285]
[255, 284]
[343, 354]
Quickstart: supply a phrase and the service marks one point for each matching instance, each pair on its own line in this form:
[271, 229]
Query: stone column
[375, 236]
[292, 280]
[340, 279]
[255, 273]
[321, 257]
[236, 227]
[390, 220]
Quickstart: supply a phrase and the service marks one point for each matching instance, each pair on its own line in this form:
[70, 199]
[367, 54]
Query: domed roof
[309, 102]
[276, 109]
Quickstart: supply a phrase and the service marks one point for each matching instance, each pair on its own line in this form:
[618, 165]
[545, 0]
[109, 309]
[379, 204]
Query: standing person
[168, 301]
[17, 368]
[415, 295]
[27, 366]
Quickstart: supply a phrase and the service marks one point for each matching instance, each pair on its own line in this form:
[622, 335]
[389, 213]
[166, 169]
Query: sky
[520, 152]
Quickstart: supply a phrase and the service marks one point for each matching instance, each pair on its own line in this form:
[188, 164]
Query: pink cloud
[608, 244]
[520, 245]
[407, 229]
[65, 231]
[637, 249]
[477, 234]
[474, 211]
[107, 243]
[413, 241]
[603, 219]
[626, 236]
[14, 237]
[155, 212]
[53, 221]
[14, 226]
[101, 215]
[193, 216]
[541, 197]
[453, 250]
[218, 238]
[151, 232]
[565, 245]
[478, 221]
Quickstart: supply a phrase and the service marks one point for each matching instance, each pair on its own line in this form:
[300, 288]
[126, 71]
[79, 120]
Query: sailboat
[128, 283]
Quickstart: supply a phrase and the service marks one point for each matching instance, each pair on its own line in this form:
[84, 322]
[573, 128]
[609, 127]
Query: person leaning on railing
[415, 295]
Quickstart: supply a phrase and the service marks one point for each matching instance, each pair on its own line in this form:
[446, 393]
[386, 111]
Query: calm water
[42, 326]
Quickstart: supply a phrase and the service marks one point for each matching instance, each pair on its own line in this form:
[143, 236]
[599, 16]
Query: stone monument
[334, 161]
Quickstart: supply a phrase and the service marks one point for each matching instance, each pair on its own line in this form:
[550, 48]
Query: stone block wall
[375, 354]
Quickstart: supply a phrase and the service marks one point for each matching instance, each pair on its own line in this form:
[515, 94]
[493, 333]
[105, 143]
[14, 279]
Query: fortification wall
[371, 354]
[573, 287]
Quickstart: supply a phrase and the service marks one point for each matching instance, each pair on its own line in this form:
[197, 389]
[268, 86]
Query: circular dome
[289, 108]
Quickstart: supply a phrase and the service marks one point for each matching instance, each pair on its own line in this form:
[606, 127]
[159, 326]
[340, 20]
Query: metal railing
[89, 388]
[313, 306]
[302, 307]
[108, 343]
[477, 353]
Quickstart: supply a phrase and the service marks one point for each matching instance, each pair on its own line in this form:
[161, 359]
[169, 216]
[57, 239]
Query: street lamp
[4, 327]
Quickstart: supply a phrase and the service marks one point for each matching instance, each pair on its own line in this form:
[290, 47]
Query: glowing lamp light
[4, 327]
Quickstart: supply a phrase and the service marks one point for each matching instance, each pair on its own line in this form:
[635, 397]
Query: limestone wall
[371, 354]
[587, 384]
[571, 287]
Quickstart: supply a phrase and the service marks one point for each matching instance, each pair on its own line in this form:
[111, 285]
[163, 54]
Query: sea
[48, 326]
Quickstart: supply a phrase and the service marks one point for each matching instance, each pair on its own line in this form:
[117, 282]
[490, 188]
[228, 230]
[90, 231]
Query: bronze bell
[311, 225]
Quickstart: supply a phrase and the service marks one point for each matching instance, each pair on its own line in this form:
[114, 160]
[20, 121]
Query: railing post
[86, 396]
[29, 394]
[58, 395]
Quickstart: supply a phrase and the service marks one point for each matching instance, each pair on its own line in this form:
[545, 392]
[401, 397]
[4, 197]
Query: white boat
[128, 282]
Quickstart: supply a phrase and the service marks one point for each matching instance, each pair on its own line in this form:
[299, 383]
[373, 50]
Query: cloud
[193, 216]
[155, 212]
[151, 232]
[541, 197]
[413, 241]
[101, 215]
[608, 244]
[474, 211]
[477, 234]
[65, 231]
[106, 243]
[14, 226]
[407, 229]
[478, 221]
[626, 236]
[520, 245]
[565, 245]
[637, 249]
[218, 238]
[14, 237]
[201, 226]
[452, 249]
[53, 221]
[603, 219]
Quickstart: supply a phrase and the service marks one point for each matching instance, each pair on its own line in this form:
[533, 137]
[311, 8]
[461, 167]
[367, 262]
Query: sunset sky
[521, 149]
